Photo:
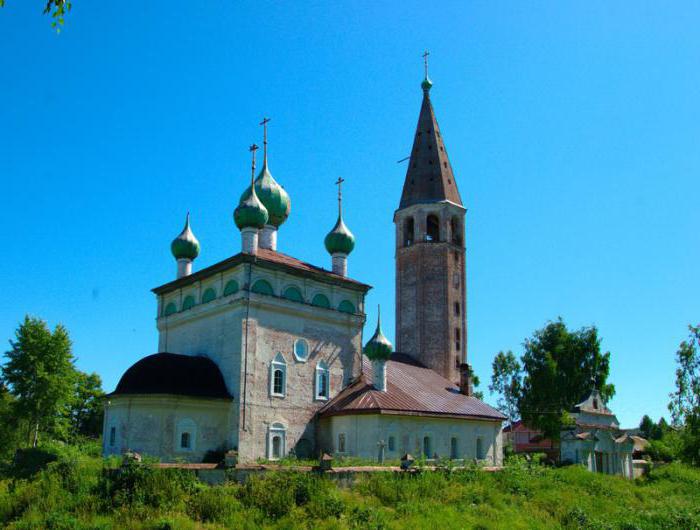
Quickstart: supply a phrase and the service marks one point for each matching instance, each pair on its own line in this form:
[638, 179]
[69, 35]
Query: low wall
[214, 474]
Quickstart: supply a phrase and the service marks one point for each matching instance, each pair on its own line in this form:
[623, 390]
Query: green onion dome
[340, 239]
[427, 84]
[272, 195]
[185, 246]
[378, 348]
[250, 213]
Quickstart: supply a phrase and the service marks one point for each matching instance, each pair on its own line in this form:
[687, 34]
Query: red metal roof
[412, 389]
[271, 259]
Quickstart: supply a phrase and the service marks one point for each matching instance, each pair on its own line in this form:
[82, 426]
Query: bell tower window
[408, 232]
[433, 228]
[456, 230]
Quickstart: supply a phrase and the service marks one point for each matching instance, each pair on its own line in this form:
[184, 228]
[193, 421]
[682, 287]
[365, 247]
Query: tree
[86, 408]
[40, 373]
[506, 380]
[685, 401]
[560, 368]
[56, 8]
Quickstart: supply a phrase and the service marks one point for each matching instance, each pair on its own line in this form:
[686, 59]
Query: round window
[301, 350]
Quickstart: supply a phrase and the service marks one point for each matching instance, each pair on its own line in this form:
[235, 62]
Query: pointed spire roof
[429, 176]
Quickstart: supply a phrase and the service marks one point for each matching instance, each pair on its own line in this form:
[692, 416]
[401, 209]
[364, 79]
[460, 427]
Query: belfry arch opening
[432, 228]
[409, 230]
[456, 230]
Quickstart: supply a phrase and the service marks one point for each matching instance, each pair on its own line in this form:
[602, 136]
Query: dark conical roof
[429, 177]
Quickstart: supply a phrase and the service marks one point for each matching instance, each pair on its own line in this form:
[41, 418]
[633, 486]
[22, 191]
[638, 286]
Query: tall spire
[429, 177]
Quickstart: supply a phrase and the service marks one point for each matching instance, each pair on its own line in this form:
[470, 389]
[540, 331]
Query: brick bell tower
[430, 253]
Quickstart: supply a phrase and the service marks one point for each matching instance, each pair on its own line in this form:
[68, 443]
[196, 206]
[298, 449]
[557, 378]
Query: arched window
[458, 339]
[427, 447]
[454, 448]
[323, 377]
[170, 309]
[276, 441]
[112, 436]
[392, 443]
[341, 442]
[231, 287]
[301, 350]
[479, 449]
[185, 435]
[433, 228]
[321, 300]
[262, 287]
[293, 294]
[409, 230]
[346, 306]
[188, 303]
[209, 295]
[278, 376]
[456, 229]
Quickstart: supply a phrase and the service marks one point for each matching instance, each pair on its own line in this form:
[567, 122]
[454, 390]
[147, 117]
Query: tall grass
[69, 488]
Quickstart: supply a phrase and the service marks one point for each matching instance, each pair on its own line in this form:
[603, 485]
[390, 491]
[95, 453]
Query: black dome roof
[172, 373]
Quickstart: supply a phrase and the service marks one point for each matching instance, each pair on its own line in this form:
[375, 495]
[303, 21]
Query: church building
[262, 353]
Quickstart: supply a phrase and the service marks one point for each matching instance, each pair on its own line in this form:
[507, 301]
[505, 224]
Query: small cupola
[273, 197]
[185, 249]
[378, 350]
[340, 242]
[251, 215]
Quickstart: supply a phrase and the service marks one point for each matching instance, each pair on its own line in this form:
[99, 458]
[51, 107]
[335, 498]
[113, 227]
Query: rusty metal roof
[269, 259]
[412, 389]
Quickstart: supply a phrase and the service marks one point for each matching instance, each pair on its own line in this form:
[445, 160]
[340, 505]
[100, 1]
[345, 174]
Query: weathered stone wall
[151, 425]
[217, 329]
[430, 281]
[274, 325]
[363, 432]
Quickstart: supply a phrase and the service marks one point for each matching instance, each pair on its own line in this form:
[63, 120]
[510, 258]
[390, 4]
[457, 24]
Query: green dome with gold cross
[272, 195]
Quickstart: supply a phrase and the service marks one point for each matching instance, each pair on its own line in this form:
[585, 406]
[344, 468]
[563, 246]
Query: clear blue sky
[573, 129]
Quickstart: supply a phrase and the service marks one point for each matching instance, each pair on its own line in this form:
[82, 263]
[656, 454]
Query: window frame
[322, 371]
[186, 425]
[342, 443]
[298, 357]
[274, 430]
[278, 364]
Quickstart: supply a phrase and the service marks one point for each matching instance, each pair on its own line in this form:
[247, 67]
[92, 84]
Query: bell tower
[430, 253]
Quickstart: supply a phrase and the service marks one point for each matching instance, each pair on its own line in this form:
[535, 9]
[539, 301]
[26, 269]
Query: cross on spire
[339, 183]
[264, 124]
[252, 149]
[425, 62]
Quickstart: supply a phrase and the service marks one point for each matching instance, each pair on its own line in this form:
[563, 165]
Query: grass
[74, 489]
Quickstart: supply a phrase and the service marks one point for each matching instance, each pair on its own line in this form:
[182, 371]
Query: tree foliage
[40, 373]
[506, 381]
[56, 8]
[86, 409]
[559, 368]
[685, 401]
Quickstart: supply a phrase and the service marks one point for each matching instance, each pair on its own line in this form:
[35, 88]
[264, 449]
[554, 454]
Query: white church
[262, 353]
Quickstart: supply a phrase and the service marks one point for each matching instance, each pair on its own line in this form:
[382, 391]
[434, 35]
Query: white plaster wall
[148, 425]
[364, 431]
[217, 330]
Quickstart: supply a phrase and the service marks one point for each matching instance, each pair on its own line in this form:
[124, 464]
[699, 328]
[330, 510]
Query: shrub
[215, 504]
[140, 484]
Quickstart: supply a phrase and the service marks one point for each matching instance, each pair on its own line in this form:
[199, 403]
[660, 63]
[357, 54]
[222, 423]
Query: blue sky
[572, 127]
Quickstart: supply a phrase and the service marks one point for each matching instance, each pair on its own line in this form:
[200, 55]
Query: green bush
[214, 505]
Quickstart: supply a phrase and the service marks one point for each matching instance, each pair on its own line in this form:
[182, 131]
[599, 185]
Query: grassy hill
[73, 488]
